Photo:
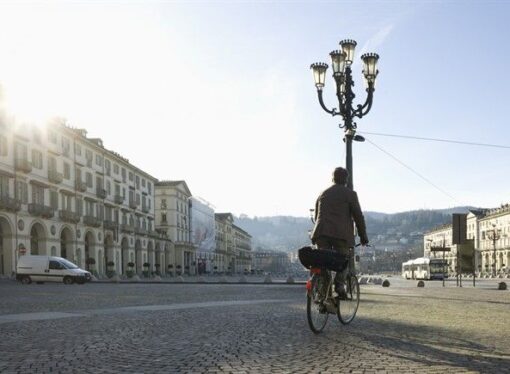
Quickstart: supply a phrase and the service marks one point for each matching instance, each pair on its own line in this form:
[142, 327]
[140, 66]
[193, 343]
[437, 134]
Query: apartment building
[173, 219]
[242, 250]
[490, 231]
[224, 242]
[63, 193]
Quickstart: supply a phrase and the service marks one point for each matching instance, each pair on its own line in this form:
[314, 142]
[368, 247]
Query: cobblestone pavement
[196, 328]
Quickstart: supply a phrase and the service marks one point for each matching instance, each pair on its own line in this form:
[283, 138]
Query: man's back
[335, 210]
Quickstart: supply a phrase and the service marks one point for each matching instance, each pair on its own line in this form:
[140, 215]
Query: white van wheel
[26, 280]
[68, 280]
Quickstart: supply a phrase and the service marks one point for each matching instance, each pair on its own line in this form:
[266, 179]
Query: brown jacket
[335, 210]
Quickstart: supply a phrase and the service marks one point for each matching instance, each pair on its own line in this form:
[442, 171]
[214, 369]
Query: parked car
[42, 269]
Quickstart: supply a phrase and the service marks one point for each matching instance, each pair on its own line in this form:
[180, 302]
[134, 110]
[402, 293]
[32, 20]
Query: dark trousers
[327, 242]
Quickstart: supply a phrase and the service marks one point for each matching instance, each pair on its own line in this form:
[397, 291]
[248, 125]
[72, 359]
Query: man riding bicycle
[335, 210]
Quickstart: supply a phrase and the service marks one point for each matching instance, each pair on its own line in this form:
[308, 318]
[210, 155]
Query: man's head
[340, 176]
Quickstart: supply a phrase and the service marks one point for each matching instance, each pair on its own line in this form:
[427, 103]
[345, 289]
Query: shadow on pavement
[430, 346]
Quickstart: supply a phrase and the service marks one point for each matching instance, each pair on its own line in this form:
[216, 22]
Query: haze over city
[220, 94]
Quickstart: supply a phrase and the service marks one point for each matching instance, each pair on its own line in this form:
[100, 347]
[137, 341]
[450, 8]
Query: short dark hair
[340, 175]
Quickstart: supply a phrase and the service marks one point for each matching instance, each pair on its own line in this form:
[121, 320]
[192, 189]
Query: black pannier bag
[322, 258]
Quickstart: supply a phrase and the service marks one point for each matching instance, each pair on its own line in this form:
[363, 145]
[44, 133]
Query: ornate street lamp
[494, 235]
[341, 61]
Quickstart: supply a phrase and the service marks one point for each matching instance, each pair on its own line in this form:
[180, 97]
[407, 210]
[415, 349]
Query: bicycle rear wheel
[346, 309]
[316, 311]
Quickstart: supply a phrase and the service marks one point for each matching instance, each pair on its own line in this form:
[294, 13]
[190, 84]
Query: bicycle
[320, 302]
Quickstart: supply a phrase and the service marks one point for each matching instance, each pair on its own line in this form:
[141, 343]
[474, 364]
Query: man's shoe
[340, 292]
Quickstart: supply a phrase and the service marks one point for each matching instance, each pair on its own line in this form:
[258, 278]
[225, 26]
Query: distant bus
[425, 268]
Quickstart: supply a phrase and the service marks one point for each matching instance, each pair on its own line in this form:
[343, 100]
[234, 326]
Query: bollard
[363, 280]
[421, 284]
[386, 283]
[243, 279]
[115, 279]
[502, 286]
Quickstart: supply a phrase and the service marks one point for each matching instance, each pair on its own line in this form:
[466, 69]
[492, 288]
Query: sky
[220, 94]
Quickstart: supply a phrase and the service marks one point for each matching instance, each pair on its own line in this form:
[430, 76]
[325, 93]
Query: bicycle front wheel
[346, 309]
[316, 311]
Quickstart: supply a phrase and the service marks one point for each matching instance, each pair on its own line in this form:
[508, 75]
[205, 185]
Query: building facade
[489, 230]
[242, 250]
[64, 194]
[270, 261]
[224, 243]
[173, 219]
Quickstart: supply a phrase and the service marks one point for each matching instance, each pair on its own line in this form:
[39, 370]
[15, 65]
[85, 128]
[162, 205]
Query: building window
[37, 159]
[88, 179]
[108, 187]
[99, 160]
[163, 217]
[22, 191]
[163, 203]
[67, 171]
[143, 182]
[79, 206]
[66, 146]
[3, 146]
[137, 182]
[124, 175]
[107, 166]
[77, 149]
[115, 168]
[21, 151]
[131, 176]
[54, 199]
[52, 137]
[37, 136]
[149, 187]
[37, 194]
[4, 186]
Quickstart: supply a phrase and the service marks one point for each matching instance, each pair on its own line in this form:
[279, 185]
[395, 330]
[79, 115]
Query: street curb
[202, 283]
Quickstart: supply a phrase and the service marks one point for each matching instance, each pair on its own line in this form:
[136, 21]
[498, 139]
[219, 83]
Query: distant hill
[386, 231]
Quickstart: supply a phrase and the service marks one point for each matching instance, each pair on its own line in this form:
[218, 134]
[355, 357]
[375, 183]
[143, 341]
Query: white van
[49, 269]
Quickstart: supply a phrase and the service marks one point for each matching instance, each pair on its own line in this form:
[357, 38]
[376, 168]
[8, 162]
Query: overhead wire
[436, 140]
[412, 170]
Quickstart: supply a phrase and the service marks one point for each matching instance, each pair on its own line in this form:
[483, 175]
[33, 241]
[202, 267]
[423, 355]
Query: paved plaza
[247, 328]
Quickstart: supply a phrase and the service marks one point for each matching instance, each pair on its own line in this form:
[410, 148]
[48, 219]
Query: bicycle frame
[329, 301]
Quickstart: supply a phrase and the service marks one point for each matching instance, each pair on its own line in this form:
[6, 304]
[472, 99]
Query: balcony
[127, 228]
[41, 210]
[119, 199]
[110, 225]
[91, 221]
[69, 216]
[140, 231]
[23, 165]
[55, 177]
[9, 204]
[101, 193]
[80, 185]
[153, 234]
[133, 204]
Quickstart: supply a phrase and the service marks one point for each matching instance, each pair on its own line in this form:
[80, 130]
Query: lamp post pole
[494, 235]
[341, 61]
